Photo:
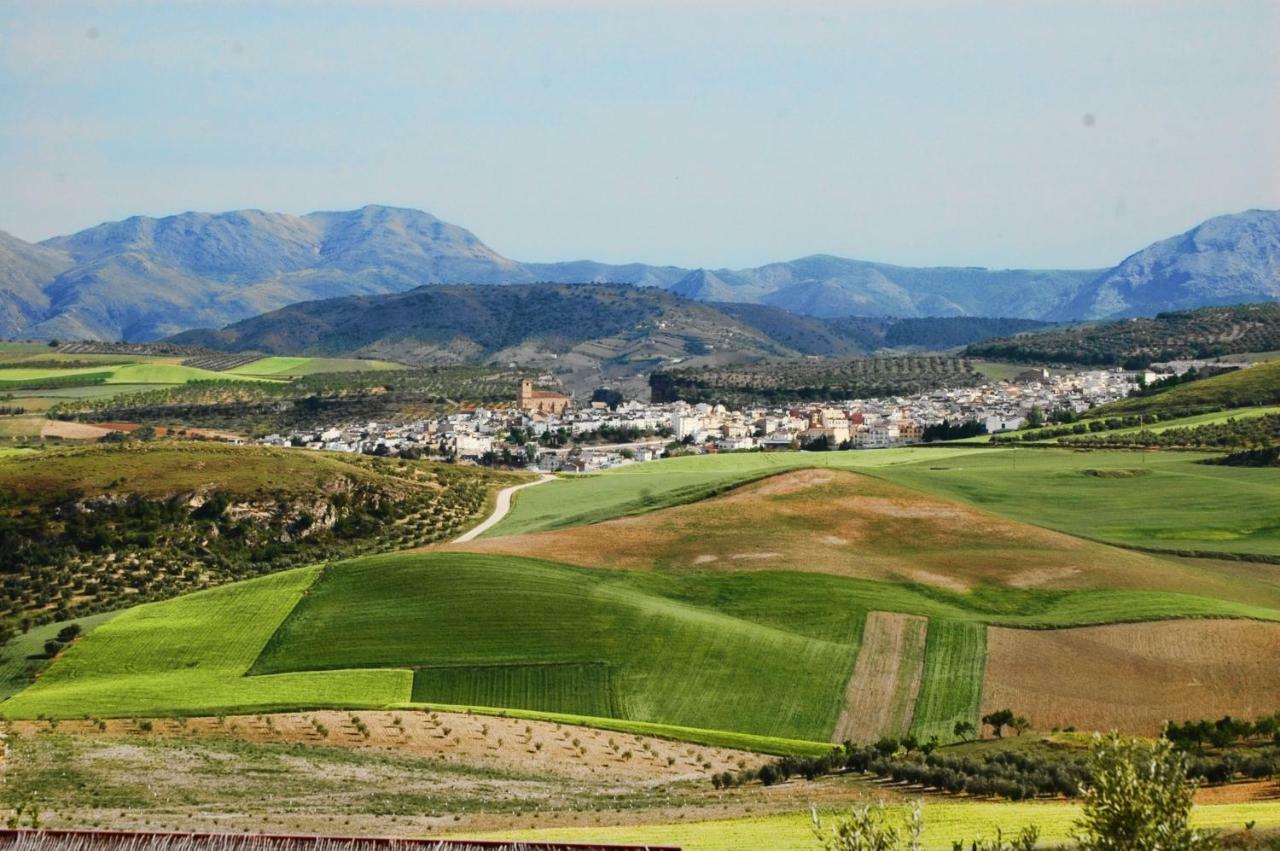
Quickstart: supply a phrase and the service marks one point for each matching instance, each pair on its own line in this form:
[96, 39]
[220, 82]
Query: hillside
[91, 529]
[778, 382]
[759, 634]
[144, 278]
[1256, 385]
[1133, 343]
[587, 333]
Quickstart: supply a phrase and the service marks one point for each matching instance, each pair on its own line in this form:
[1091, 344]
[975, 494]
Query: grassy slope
[639, 488]
[766, 653]
[1177, 504]
[165, 467]
[1197, 420]
[672, 662]
[1256, 385]
[26, 651]
[945, 822]
[190, 654]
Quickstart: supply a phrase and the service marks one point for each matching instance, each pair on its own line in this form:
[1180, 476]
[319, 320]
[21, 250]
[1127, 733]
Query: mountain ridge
[144, 278]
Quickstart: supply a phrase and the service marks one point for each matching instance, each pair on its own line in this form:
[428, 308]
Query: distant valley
[147, 278]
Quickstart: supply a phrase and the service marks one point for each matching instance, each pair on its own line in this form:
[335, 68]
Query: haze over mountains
[145, 278]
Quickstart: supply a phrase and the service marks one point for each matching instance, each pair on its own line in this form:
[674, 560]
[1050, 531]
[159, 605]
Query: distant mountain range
[145, 278]
[585, 333]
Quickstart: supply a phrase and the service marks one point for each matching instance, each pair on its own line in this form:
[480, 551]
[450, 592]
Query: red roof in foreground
[108, 840]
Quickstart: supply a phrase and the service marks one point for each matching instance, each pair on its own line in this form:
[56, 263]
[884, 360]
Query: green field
[576, 688]
[1172, 503]
[951, 685]
[191, 654]
[281, 367]
[1166, 501]
[763, 653]
[945, 823]
[1197, 420]
[24, 654]
[638, 488]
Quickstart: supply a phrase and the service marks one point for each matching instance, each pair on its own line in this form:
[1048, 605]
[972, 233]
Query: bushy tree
[1138, 799]
[866, 828]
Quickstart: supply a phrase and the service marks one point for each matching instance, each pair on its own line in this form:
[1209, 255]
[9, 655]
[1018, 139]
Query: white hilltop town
[547, 431]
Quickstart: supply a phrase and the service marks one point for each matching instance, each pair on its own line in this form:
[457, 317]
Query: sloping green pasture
[763, 653]
[639, 488]
[1167, 500]
[189, 655]
[1161, 500]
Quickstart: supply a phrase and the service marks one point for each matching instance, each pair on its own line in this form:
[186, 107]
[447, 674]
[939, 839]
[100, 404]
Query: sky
[698, 133]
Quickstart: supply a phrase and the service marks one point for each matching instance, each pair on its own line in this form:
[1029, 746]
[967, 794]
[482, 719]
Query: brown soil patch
[844, 523]
[1133, 677]
[1239, 793]
[73, 431]
[881, 695]
[503, 743]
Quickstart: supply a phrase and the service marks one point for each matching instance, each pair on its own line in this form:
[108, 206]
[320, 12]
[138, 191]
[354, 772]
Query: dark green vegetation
[1249, 432]
[1017, 769]
[310, 402]
[578, 688]
[1133, 343]
[86, 530]
[809, 381]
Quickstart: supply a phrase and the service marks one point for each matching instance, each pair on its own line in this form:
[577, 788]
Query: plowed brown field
[1133, 677]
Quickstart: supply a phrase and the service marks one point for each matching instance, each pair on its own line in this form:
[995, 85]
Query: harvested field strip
[951, 687]
[881, 695]
[574, 688]
[1134, 676]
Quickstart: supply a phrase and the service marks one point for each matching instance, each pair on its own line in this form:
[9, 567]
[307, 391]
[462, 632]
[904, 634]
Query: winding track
[500, 509]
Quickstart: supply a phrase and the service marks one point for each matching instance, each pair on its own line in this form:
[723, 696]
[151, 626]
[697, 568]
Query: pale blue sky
[695, 133]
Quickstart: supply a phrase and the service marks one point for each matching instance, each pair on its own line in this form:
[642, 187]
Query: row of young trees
[1137, 797]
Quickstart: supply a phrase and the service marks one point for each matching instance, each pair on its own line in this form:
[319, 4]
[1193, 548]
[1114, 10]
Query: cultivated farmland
[1134, 676]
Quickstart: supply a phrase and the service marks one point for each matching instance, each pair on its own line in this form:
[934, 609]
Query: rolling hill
[780, 642]
[144, 278]
[585, 332]
[1205, 333]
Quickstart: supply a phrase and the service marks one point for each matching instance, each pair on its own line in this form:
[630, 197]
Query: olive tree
[1139, 799]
